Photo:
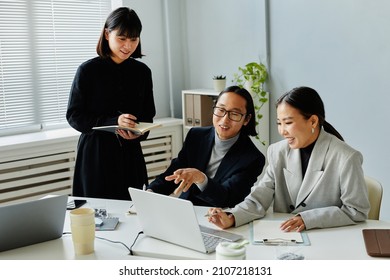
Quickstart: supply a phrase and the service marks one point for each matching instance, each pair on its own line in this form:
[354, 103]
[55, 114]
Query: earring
[312, 130]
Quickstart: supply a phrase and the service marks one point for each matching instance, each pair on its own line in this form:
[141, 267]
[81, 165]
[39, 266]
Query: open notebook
[140, 128]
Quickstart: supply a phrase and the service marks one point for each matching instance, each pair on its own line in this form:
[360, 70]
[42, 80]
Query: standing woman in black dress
[111, 89]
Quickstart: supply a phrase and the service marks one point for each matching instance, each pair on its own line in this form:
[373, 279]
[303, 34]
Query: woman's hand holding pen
[220, 218]
[296, 223]
[127, 120]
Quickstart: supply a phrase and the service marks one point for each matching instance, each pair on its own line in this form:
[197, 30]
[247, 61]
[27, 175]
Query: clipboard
[268, 232]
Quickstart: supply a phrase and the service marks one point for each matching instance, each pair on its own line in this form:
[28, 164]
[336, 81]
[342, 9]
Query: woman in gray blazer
[313, 173]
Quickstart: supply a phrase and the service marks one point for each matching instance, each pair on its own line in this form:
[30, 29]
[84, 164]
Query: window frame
[42, 42]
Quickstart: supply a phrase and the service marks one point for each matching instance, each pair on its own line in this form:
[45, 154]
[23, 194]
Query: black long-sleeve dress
[107, 165]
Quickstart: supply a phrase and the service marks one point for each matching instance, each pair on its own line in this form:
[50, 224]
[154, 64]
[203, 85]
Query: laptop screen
[32, 222]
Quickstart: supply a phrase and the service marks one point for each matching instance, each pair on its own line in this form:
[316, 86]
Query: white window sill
[56, 135]
[29, 139]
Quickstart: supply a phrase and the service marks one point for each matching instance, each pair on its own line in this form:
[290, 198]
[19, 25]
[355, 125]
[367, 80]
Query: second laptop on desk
[174, 220]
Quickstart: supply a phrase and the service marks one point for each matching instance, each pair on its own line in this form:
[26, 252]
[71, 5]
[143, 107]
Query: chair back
[375, 192]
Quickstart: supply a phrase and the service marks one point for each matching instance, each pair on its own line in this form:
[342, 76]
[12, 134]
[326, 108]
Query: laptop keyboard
[227, 236]
[212, 237]
[210, 241]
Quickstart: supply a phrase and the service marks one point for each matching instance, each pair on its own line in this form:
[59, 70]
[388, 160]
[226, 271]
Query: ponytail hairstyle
[309, 103]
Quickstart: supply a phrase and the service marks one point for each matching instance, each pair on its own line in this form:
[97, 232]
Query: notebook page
[269, 231]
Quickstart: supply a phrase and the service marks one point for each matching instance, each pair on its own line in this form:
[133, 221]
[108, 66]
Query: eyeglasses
[221, 112]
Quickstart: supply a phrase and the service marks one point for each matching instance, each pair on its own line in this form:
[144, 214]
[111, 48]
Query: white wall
[339, 47]
[188, 42]
[222, 35]
[155, 48]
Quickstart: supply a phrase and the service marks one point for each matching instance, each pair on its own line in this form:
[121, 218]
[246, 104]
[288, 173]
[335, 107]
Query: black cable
[135, 240]
[114, 241]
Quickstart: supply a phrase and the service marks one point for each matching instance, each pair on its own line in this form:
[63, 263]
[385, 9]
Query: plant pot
[219, 85]
[248, 86]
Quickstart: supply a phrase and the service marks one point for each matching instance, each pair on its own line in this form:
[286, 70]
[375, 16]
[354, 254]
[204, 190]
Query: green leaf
[220, 77]
[257, 73]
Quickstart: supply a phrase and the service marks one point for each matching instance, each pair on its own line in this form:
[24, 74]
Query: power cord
[135, 240]
[118, 242]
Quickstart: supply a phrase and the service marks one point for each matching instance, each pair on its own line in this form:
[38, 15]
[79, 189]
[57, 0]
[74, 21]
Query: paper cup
[82, 223]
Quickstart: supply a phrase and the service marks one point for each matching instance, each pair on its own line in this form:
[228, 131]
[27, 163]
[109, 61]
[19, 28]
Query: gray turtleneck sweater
[220, 148]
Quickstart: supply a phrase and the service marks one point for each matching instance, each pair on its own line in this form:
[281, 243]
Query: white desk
[62, 248]
[326, 244]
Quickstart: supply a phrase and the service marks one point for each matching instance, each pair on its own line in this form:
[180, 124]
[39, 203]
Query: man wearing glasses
[218, 164]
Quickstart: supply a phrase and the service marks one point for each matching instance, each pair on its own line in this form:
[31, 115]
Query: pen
[210, 215]
[137, 122]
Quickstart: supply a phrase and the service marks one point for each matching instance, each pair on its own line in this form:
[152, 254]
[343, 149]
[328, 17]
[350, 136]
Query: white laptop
[32, 222]
[174, 220]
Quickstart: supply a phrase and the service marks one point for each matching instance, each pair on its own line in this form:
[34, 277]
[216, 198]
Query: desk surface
[326, 244]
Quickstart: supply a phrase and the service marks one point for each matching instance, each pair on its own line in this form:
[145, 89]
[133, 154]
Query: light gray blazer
[333, 192]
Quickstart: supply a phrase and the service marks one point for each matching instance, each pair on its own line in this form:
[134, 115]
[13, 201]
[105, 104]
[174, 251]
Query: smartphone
[73, 204]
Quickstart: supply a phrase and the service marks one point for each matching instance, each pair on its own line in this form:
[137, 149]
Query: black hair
[309, 103]
[127, 23]
[250, 128]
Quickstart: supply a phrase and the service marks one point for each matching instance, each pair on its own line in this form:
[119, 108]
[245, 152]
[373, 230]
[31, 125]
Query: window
[42, 42]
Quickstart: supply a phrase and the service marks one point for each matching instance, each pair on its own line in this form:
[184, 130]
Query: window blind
[42, 42]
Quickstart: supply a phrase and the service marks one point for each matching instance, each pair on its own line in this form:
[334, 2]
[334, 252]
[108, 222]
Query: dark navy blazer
[234, 178]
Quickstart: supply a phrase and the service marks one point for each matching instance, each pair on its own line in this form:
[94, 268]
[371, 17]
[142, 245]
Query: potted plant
[219, 83]
[252, 77]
